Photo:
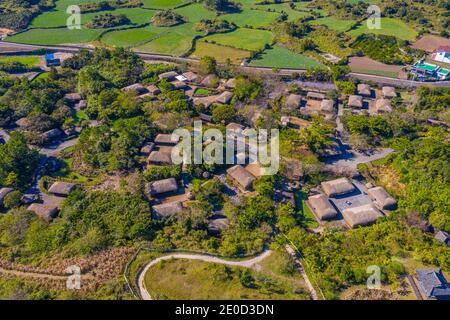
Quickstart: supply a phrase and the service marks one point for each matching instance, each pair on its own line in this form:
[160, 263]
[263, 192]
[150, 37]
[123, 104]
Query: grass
[197, 280]
[29, 61]
[173, 43]
[56, 36]
[384, 73]
[129, 37]
[279, 7]
[334, 24]
[389, 26]
[252, 18]
[305, 216]
[279, 57]
[247, 39]
[221, 53]
[195, 12]
[202, 92]
[162, 4]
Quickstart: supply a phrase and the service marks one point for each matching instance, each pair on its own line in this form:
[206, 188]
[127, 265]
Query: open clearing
[334, 24]
[430, 43]
[279, 57]
[247, 39]
[369, 66]
[390, 27]
[192, 279]
[221, 52]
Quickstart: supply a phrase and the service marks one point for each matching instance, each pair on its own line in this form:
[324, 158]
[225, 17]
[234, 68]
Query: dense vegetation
[109, 5]
[107, 20]
[167, 18]
[17, 15]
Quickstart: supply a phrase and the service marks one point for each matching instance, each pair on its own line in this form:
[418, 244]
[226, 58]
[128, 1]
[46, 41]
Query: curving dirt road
[244, 263]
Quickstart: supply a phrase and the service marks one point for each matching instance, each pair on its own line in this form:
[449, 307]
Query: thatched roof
[327, 105]
[322, 207]
[190, 76]
[61, 188]
[147, 148]
[206, 101]
[72, 97]
[153, 89]
[389, 92]
[443, 237]
[315, 95]
[163, 138]
[179, 85]
[361, 216]
[383, 106]
[363, 89]
[295, 122]
[241, 177]
[234, 126]
[231, 83]
[293, 100]
[355, 101]
[381, 198]
[337, 187]
[215, 225]
[3, 193]
[163, 186]
[22, 122]
[52, 134]
[224, 97]
[160, 158]
[168, 75]
[46, 212]
[167, 209]
[205, 117]
[81, 105]
[210, 80]
[139, 88]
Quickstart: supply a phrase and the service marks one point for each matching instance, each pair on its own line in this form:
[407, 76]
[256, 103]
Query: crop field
[163, 4]
[252, 18]
[57, 36]
[279, 57]
[247, 39]
[29, 61]
[390, 27]
[195, 12]
[172, 43]
[129, 37]
[221, 52]
[334, 24]
[293, 14]
[369, 66]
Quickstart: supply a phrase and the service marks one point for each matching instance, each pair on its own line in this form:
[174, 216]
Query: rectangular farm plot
[221, 53]
[369, 66]
[172, 43]
[129, 37]
[195, 12]
[390, 27]
[279, 57]
[56, 36]
[246, 39]
[251, 17]
[163, 4]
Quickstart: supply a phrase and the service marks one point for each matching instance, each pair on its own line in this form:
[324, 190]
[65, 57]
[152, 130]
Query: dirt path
[244, 263]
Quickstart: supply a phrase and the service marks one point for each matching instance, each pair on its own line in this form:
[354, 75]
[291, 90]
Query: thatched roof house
[22, 122]
[295, 122]
[205, 117]
[327, 105]
[147, 148]
[166, 139]
[383, 106]
[389, 92]
[190, 76]
[160, 158]
[52, 134]
[179, 85]
[3, 193]
[154, 90]
[231, 83]
[322, 207]
[432, 284]
[337, 187]
[216, 224]
[72, 97]
[355, 101]
[363, 89]
[361, 216]
[163, 186]
[241, 177]
[315, 95]
[61, 188]
[443, 237]
[137, 87]
[206, 101]
[167, 209]
[169, 76]
[293, 100]
[233, 126]
[46, 212]
[81, 105]
[210, 80]
[224, 97]
[381, 198]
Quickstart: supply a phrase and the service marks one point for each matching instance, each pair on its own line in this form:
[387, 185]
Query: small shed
[166, 139]
[210, 80]
[231, 83]
[61, 188]
[179, 85]
[169, 76]
[364, 90]
[152, 89]
[166, 209]
[381, 198]
[322, 207]
[224, 97]
[295, 122]
[190, 76]
[293, 100]
[3, 193]
[205, 117]
[443, 237]
[337, 187]
[241, 177]
[163, 186]
[432, 284]
[383, 106]
[389, 92]
[355, 101]
[45, 212]
[216, 224]
[361, 216]
[160, 158]
[137, 87]
[233, 126]
[81, 105]
[327, 106]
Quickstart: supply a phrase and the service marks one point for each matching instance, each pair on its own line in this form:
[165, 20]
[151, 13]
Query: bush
[12, 199]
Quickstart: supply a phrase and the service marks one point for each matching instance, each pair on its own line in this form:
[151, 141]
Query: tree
[208, 65]
[12, 199]
[223, 113]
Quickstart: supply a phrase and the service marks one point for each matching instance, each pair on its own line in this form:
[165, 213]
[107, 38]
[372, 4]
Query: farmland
[389, 27]
[247, 39]
[279, 57]
[221, 52]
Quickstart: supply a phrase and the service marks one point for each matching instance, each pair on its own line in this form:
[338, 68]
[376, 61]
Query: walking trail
[243, 263]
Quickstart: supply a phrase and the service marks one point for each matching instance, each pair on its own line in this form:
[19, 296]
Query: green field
[384, 73]
[222, 53]
[195, 12]
[247, 39]
[335, 24]
[252, 18]
[56, 36]
[390, 27]
[29, 61]
[279, 57]
[129, 37]
[284, 7]
[172, 43]
[163, 4]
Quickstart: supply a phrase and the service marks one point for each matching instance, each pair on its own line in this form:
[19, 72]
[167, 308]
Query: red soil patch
[430, 43]
[367, 63]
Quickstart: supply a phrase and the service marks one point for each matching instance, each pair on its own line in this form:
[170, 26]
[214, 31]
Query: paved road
[353, 158]
[244, 263]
